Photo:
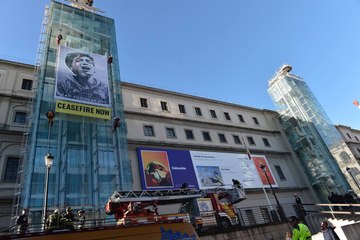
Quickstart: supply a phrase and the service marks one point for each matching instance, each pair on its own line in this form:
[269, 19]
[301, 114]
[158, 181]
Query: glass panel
[11, 170]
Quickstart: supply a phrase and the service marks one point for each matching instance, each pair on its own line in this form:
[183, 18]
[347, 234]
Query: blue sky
[221, 49]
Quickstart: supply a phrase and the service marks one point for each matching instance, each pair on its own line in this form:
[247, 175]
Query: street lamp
[280, 210]
[350, 172]
[49, 159]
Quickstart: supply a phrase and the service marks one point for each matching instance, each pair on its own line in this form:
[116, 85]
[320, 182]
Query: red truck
[203, 208]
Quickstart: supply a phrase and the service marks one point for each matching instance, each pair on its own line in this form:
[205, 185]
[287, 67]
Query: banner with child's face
[82, 77]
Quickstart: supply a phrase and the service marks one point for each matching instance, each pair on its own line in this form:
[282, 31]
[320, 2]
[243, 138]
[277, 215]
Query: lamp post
[49, 159]
[279, 208]
[352, 176]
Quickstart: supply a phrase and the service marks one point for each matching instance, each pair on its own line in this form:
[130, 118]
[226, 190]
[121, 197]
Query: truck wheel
[225, 223]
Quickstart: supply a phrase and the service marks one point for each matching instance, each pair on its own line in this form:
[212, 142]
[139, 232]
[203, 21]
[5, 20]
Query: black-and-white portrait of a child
[82, 77]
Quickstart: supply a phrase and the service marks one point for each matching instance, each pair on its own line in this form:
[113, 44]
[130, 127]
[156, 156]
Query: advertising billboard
[82, 77]
[168, 169]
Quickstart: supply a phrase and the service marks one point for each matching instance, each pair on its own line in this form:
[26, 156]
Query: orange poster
[258, 160]
[156, 169]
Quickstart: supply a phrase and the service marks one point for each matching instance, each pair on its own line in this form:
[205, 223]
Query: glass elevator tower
[90, 156]
[323, 153]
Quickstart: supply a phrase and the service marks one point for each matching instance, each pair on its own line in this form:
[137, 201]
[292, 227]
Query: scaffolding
[90, 159]
[16, 209]
[310, 131]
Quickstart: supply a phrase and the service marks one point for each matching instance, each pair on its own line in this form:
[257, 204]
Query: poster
[201, 170]
[158, 166]
[82, 77]
[258, 160]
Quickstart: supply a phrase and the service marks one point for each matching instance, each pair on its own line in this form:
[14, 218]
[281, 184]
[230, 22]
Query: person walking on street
[22, 221]
[328, 231]
[300, 230]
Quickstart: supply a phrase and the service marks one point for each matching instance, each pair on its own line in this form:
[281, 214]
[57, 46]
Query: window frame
[22, 117]
[170, 133]
[7, 178]
[349, 136]
[280, 172]
[238, 141]
[251, 140]
[227, 116]
[222, 138]
[256, 121]
[198, 111]
[241, 118]
[206, 134]
[164, 106]
[266, 142]
[189, 131]
[26, 84]
[213, 113]
[144, 103]
[182, 108]
[149, 127]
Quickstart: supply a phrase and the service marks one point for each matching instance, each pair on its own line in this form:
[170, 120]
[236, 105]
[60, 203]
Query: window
[143, 102]
[20, 117]
[251, 140]
[182, 108]
[12, 164]
[358, 150]
[266, 142]
[206, 136]
[348, 135]
[250, 217]
[236, 139]
[170, 133]
[222, 138]
[265, 214]
[149, 131]
[198, 111]
[26, 84]
[241, 119]
[164, 106]
[189, 134]
[227, 116]
[213, 114]
[280, 173]
[356, 138]
[256, 121]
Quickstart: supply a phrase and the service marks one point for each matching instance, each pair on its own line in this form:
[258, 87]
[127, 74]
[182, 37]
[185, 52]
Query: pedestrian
[299, 208]
[236, 183]
[82, 219]
[300, 230]
[68, 219]
[328, 231]
[22, 221]
[297, 199]
[53, 221]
